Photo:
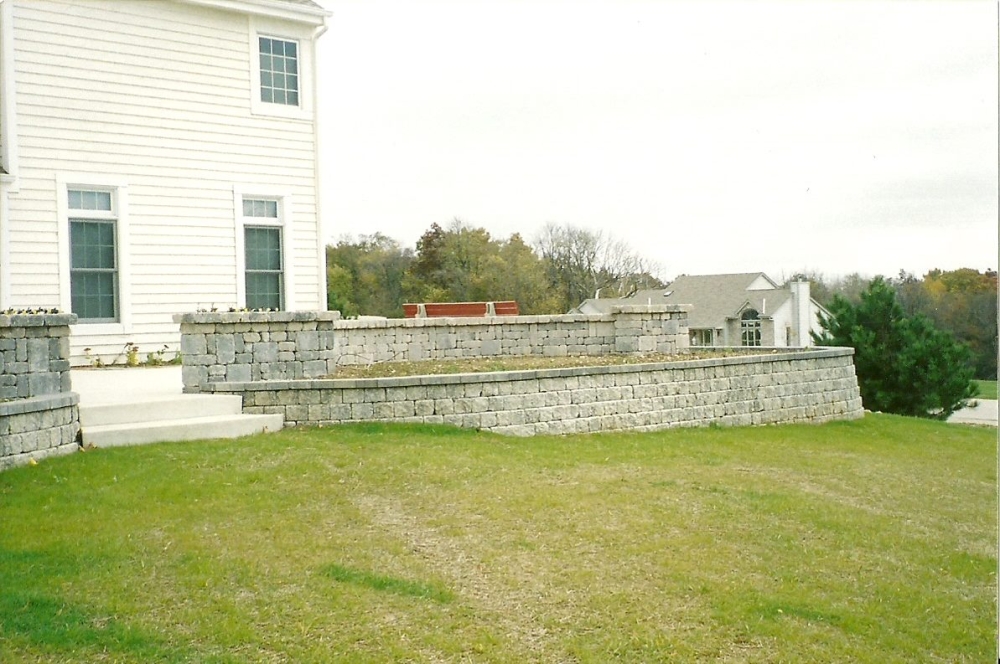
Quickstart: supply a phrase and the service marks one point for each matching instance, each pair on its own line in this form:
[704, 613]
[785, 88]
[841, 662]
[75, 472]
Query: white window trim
[119, 205]
[284, 222]
[260, 27]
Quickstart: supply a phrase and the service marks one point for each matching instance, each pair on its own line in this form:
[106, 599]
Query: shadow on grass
[387, 583]
[37, 620]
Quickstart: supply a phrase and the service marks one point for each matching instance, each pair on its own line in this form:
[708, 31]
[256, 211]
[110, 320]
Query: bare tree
[582, 263]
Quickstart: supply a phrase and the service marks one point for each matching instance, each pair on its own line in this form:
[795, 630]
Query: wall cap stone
[38, 404]
[352, 324]
[758, 357]
[37, 320]
[214, 317]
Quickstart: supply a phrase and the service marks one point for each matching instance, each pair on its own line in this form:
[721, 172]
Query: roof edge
[314, 15]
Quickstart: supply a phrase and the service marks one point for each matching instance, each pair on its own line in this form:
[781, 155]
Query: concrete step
[189, 428]
[179, 407]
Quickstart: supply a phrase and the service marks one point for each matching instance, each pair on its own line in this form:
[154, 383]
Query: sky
[711, 137]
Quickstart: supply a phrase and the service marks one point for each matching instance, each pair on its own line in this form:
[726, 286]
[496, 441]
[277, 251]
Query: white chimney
[802, 312]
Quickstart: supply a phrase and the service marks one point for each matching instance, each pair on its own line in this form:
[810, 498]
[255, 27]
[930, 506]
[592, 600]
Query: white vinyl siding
[157, 94]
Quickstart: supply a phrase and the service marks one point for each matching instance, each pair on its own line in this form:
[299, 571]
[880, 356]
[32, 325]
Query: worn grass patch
[865, 541]
[516, 363]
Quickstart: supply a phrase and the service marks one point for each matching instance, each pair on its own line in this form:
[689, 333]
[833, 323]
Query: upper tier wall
[262, 346]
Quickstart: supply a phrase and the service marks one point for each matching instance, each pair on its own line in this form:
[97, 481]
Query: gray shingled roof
[714, 297]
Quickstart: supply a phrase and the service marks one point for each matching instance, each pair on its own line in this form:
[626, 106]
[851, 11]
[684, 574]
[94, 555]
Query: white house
[158, 157]
[747, 309]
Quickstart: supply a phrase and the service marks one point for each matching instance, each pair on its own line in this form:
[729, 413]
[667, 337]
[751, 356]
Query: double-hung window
[93, 255]
[279, 71]
[263, 255]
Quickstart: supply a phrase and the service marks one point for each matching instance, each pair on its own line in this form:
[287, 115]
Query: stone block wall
[38, 427]
[39, 412]
[257, 346]
[802, 386]
[34, 355]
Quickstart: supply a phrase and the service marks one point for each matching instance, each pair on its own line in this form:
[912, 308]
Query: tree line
[564, 265]
[961, 303]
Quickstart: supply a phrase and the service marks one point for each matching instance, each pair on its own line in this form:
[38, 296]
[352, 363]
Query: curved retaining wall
[802, 386]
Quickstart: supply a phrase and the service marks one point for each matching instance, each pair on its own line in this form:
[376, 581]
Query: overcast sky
[711, 136]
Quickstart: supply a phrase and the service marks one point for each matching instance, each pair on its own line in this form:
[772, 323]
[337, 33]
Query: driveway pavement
[984, 412]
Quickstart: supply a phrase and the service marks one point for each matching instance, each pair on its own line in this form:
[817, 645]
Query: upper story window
[279, 71]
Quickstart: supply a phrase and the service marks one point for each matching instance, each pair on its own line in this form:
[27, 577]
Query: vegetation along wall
[813, 385]
[39, 412]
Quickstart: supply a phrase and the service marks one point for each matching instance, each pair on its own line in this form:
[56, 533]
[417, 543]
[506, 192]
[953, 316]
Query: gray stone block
[238, 373]
[193, 344]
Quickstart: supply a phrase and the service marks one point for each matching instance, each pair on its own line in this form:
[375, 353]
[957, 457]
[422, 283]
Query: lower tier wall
[804, 386]
[38, 427]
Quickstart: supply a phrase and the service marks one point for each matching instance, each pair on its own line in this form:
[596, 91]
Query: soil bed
[519, 363]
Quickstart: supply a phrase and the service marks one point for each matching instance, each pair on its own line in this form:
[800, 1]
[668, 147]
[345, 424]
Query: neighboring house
[734, 309]
[158, 157]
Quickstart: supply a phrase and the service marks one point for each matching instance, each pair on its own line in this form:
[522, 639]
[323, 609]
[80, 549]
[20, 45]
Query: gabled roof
[716, 296]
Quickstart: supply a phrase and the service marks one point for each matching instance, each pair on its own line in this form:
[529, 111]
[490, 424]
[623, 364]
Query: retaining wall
[814, 385]
[39, 412]
[267, 346]
[255, 346]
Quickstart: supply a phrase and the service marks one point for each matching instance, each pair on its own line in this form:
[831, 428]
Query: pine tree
[903, 363]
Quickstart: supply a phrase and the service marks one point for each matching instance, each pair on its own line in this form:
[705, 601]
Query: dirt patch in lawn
[522, 363]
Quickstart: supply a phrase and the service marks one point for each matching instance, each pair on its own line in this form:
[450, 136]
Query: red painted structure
[460, 309]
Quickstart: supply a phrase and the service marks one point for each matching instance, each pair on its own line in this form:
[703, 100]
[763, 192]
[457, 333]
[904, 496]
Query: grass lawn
[987, 389]
[866, 541]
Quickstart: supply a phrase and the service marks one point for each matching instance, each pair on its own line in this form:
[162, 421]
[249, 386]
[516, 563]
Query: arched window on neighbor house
[750, 328]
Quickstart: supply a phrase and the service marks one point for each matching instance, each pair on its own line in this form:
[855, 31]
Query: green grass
[987, 389]
[867, 541]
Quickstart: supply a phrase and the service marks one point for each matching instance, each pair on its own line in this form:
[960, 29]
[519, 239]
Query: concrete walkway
[100, 387]
[983, 412]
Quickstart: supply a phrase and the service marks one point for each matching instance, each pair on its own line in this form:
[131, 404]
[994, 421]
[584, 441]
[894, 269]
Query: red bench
[460, 309]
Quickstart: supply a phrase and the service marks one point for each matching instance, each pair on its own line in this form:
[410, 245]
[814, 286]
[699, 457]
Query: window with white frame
[263, 254]
[750, 328]
[701, 337]
[93, 254]
[279, 71]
